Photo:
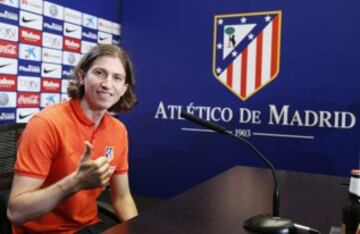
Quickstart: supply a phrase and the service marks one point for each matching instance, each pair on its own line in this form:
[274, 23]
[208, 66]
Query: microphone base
[269, 224]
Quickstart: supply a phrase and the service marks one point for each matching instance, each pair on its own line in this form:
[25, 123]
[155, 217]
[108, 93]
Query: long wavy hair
[76, 89]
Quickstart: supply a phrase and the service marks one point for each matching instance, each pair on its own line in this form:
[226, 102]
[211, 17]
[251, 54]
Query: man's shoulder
[55, 113]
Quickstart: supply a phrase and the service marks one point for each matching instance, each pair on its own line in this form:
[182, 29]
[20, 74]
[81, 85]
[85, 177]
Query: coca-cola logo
[28, 100]
[8, 49]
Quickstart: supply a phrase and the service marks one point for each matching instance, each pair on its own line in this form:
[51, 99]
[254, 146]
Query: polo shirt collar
[80, 114]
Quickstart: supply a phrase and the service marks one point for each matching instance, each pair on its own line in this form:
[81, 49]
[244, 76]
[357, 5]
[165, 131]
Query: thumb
[87, 153]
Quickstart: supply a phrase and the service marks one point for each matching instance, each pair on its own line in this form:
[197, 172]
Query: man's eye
[98, 72]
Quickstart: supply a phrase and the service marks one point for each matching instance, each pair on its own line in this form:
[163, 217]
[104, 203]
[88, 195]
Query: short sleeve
[37, 146]
[123, 165]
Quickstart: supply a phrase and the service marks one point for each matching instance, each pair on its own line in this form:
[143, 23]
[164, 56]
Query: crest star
[219, 46]
[251, 36]
[218, 70]
[220, 21]
[243, 19]
[234, 53]
[267, 18]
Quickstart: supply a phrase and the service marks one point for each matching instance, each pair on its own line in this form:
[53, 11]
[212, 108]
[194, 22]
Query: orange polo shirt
[50, 148]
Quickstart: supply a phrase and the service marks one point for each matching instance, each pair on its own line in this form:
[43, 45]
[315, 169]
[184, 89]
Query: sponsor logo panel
[30, 20]
[86, 46]
[12, 3]
[104, 25]
[71, 44]
[29, 68]
[28, 99]
[9, 32]
[51, 70]
[116, 29]
[28, 84]
[90, 21]
[30, 36]
[8, 66]
[68, 72]
[7, 115]
[89, 34]
[50, 85]
[72, 16]
[72, 30]
[30, 52]
[8, 49]
[7, 99]
[51, 55]
[104, 38]
[71, 58]
[7, 82]
[23, 115]
[64, 85]
[35, 6]
[53, 10]
[53, 25]
[48, 99]
[7, 14]
[52, 40]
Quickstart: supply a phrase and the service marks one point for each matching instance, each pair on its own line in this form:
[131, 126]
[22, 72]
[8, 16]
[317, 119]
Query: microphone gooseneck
[261, 223]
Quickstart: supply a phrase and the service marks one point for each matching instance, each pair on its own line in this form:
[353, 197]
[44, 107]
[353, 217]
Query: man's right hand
[92, 173]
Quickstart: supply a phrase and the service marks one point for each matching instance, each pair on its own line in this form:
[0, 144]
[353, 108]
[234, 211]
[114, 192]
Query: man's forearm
[30, 205]
[125, 207]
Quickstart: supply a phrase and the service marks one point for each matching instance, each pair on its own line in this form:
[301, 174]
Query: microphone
[263, 223]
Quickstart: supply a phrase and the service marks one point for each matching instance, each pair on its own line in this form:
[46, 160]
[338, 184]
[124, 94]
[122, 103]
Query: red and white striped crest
[247, 51]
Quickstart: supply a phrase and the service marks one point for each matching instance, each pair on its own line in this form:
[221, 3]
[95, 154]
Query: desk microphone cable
[305, 228]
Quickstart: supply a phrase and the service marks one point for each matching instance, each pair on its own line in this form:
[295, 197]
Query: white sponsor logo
[104, 38]
[104, 25]
[9, 32]
[29, 68]
[72, 30]
[116, 29]
[23, 115]
[51, 55]
[51, 70]
[64, 85]
[7, 99]
[29, 84]
[6, 82]
[53, 10]
[30, 52]
[89, 35]
[30, 20]
[9, 15]
[35, 6]
[7, 116]
[8, 66]
[68, 74]
[27, 99]
[53, 26]
[13, 3]
[52, 40]
[30, 36]
[72, 16]
[90, 21]
[8, 49]
[48, 84]
[86, 46]
[48, 99]
[71, 58]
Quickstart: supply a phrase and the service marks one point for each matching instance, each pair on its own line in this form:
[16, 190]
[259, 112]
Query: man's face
[104, 83]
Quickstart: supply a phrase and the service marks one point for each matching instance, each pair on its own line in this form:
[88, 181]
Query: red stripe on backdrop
[258, 60]
[243, 72]
[275, 46]
[229, 75]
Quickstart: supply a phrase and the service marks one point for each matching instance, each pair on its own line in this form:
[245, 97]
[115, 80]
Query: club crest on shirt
[109, 153]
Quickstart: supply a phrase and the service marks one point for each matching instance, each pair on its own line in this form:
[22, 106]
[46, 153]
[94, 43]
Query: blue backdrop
[304, 119]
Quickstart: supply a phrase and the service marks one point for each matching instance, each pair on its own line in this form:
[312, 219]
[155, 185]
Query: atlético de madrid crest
[246, 55]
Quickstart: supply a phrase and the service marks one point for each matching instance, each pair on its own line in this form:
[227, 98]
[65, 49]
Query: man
[70, 151]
